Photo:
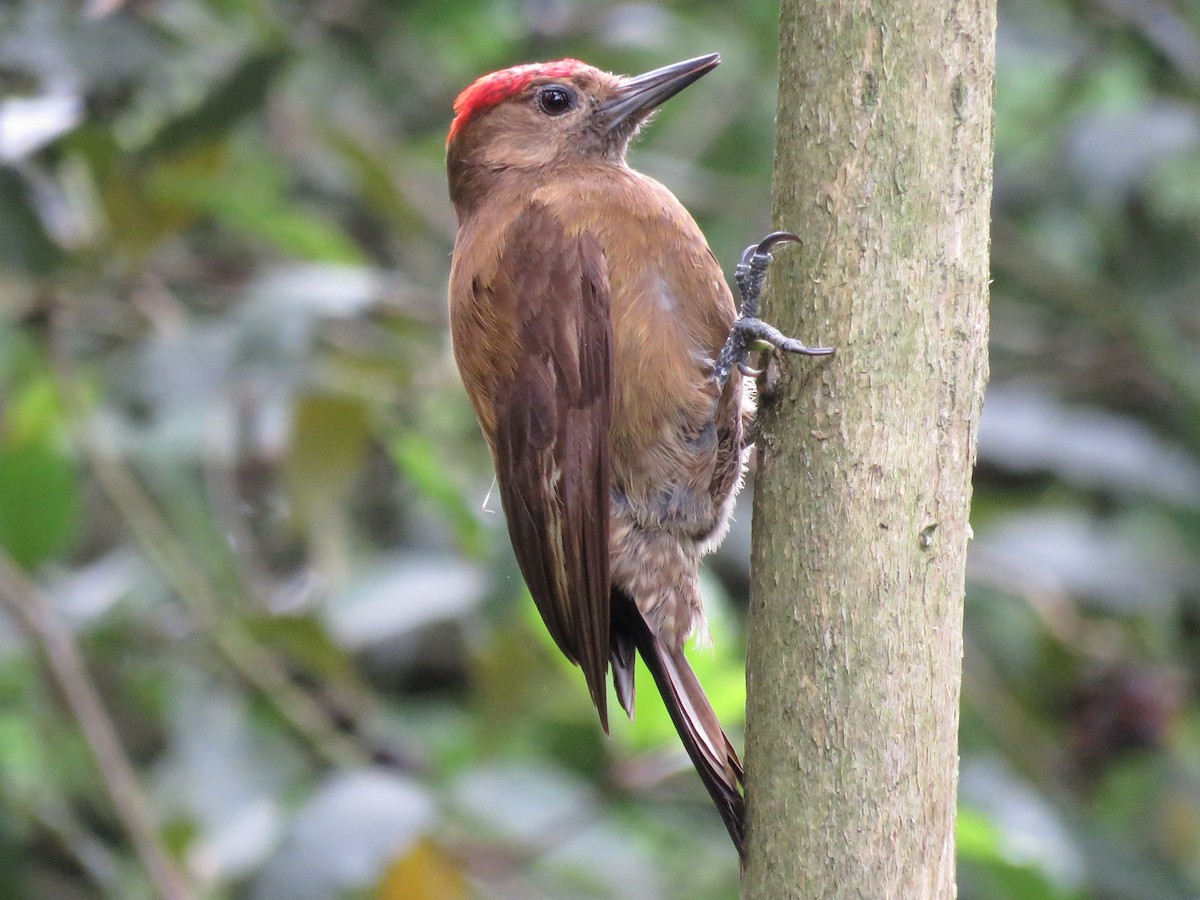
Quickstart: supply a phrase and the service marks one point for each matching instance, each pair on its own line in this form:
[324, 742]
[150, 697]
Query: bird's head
[546, 114]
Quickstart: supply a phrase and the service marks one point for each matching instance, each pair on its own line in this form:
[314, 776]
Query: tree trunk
[883, 166]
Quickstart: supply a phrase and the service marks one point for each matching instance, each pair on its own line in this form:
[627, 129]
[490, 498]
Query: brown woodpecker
[604, 356]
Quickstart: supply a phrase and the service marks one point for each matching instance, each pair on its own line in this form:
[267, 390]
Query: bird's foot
[749, 331]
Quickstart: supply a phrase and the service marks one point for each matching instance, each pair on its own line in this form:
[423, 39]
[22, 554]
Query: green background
[235, 455]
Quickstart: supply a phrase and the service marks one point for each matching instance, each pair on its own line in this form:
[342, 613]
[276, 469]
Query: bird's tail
[705, 741]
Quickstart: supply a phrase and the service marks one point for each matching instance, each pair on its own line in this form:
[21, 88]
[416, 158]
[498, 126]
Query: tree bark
[883, 166]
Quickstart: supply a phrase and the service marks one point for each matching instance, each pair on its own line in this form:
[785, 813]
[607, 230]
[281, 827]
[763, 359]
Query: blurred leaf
[22, 768]
[525, 803]
[311, 291]
[18, 355]
[249, 197]
[304, 641]
[13, 862]
[29, 123]
[35, 415]
[39, 502]
[226, 779]
[598, 857]
[241, 92]
[424, 873]
[1174, 190]
[376, 183]
[397, 597]
[1113, 152]
[1013, 834]
[1026, 430]
[139, 216]
[976, 836]
[329, 441]
[1120, 795]
[422, 463]
[1125, 568]
[347, 836]
[24, 243]
[981, 852]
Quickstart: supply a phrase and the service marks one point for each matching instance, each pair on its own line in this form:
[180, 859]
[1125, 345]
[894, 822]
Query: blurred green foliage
[234, 453]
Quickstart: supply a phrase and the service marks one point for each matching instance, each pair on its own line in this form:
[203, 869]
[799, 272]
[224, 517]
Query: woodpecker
[605, 359]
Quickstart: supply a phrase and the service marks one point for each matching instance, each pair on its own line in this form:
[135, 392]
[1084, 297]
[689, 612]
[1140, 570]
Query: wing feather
[551, 433]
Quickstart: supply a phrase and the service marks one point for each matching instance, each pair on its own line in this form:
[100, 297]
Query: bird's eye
[555, 99]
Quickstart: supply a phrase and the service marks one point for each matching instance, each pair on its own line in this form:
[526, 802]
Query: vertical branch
[37, 617]
[883, 166]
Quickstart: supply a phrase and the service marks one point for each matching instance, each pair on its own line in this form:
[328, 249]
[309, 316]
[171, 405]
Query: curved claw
[766, 245]
[775, 237]
[748, 371]
[810, 351]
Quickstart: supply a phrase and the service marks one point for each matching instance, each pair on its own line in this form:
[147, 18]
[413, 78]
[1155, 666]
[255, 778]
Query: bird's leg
[749, 330]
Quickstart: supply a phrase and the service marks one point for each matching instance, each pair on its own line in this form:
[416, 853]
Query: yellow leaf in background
[424, 873]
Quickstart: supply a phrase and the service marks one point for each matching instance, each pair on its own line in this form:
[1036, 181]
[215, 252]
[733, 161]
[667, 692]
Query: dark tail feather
[624, 658]
[705, 741]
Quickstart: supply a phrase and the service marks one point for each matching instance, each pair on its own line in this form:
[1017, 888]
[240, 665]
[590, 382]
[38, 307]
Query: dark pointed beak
[643, 93]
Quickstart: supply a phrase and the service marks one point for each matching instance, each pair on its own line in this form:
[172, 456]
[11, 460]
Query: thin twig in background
[45, 629]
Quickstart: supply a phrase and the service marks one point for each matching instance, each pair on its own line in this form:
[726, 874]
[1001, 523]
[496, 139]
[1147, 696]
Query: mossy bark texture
[883, 167]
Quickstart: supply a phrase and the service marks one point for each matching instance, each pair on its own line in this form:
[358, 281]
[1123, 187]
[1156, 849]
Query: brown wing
[551, 435]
